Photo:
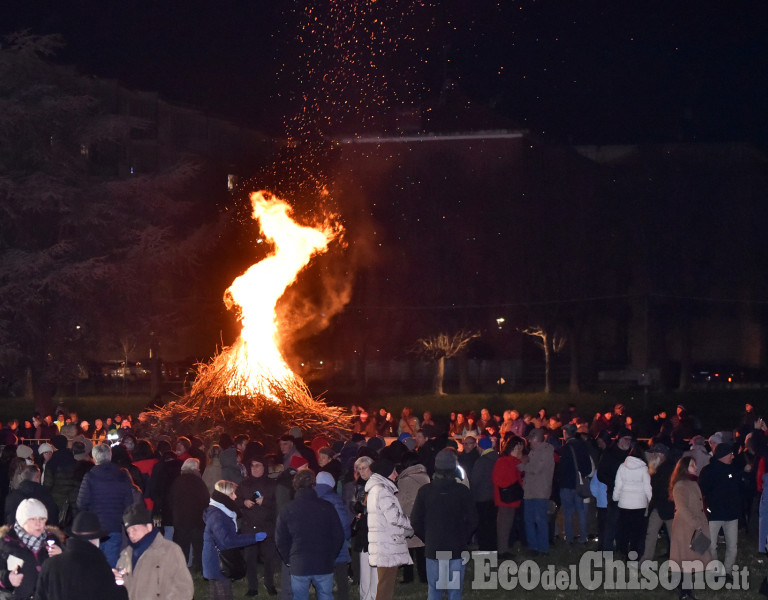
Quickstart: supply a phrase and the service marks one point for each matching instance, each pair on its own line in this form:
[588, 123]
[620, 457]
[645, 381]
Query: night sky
[582, 72]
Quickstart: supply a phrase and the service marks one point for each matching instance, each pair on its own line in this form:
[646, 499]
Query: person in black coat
[257, 503]
[610, 462]
[188, 499]
[444, 516]
[661, 509]
[309, 535]
[722, 495]
[30, 487]
[81, 571]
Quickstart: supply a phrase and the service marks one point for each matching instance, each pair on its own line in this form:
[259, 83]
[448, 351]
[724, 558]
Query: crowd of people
[391, 497]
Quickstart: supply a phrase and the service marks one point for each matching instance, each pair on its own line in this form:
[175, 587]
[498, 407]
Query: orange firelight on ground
[255, 357]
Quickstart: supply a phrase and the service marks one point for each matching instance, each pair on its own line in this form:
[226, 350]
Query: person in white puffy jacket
[388, 527]
[632, 492]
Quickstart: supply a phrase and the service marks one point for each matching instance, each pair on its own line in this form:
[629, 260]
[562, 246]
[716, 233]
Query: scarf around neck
[226, 505]
[30, 541]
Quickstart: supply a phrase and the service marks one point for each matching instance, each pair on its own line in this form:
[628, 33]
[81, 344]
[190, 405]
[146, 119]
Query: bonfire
[249, 385]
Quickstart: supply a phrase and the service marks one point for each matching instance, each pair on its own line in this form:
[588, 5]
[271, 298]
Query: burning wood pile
[221, 399]
[249, 386]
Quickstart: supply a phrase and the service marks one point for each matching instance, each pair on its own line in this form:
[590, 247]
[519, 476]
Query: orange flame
[255, 357]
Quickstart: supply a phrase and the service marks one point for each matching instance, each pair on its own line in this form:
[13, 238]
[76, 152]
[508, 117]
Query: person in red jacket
[505, 474]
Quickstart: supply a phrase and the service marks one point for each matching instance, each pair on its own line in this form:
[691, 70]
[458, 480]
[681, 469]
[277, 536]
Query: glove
[261, 536]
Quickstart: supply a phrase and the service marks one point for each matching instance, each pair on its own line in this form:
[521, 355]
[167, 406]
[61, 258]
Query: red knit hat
[297, 462]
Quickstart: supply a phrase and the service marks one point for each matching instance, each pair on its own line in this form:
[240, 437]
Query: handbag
[700, 542]
[511, 493]
[232, 563]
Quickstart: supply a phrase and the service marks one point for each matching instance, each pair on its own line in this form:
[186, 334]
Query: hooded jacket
[327, 493]
[408, 484]
[309, 534]
[538, 472]
[632, 486]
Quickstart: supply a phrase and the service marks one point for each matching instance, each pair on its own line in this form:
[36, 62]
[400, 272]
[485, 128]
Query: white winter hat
[29, 508]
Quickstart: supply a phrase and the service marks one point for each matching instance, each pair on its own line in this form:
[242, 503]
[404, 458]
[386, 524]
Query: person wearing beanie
[151, 566]
[221, 534]
[444, 516]
[719, 483]
[309, 536]
[59, 479]
[258, 505]
[188, 497]
[298, 462]
[45, 450]
[26, 453]
[301, 448]
[24, 548]
[325, 488]
[481, 487]
[388, 527]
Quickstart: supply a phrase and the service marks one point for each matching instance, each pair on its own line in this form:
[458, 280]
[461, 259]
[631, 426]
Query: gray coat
[538, 472]
[408, 484]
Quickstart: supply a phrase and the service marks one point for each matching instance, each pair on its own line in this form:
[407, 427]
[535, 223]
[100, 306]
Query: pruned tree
[441, 346]
[552, 342]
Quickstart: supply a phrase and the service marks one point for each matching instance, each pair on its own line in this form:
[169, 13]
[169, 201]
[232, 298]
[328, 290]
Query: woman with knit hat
[24, 547]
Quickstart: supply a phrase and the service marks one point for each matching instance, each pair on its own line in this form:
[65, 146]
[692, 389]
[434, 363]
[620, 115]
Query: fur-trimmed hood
[50, 530]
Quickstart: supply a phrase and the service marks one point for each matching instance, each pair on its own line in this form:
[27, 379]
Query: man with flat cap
[151, 566]
[82, 570]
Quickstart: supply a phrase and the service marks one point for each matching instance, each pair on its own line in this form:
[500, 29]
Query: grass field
[565, 559]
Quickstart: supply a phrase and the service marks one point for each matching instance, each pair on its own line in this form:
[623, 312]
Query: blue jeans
[573, 503]
[536, 524]
[111, 547]
[762, 536]
[323, 586]
[449, 578]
